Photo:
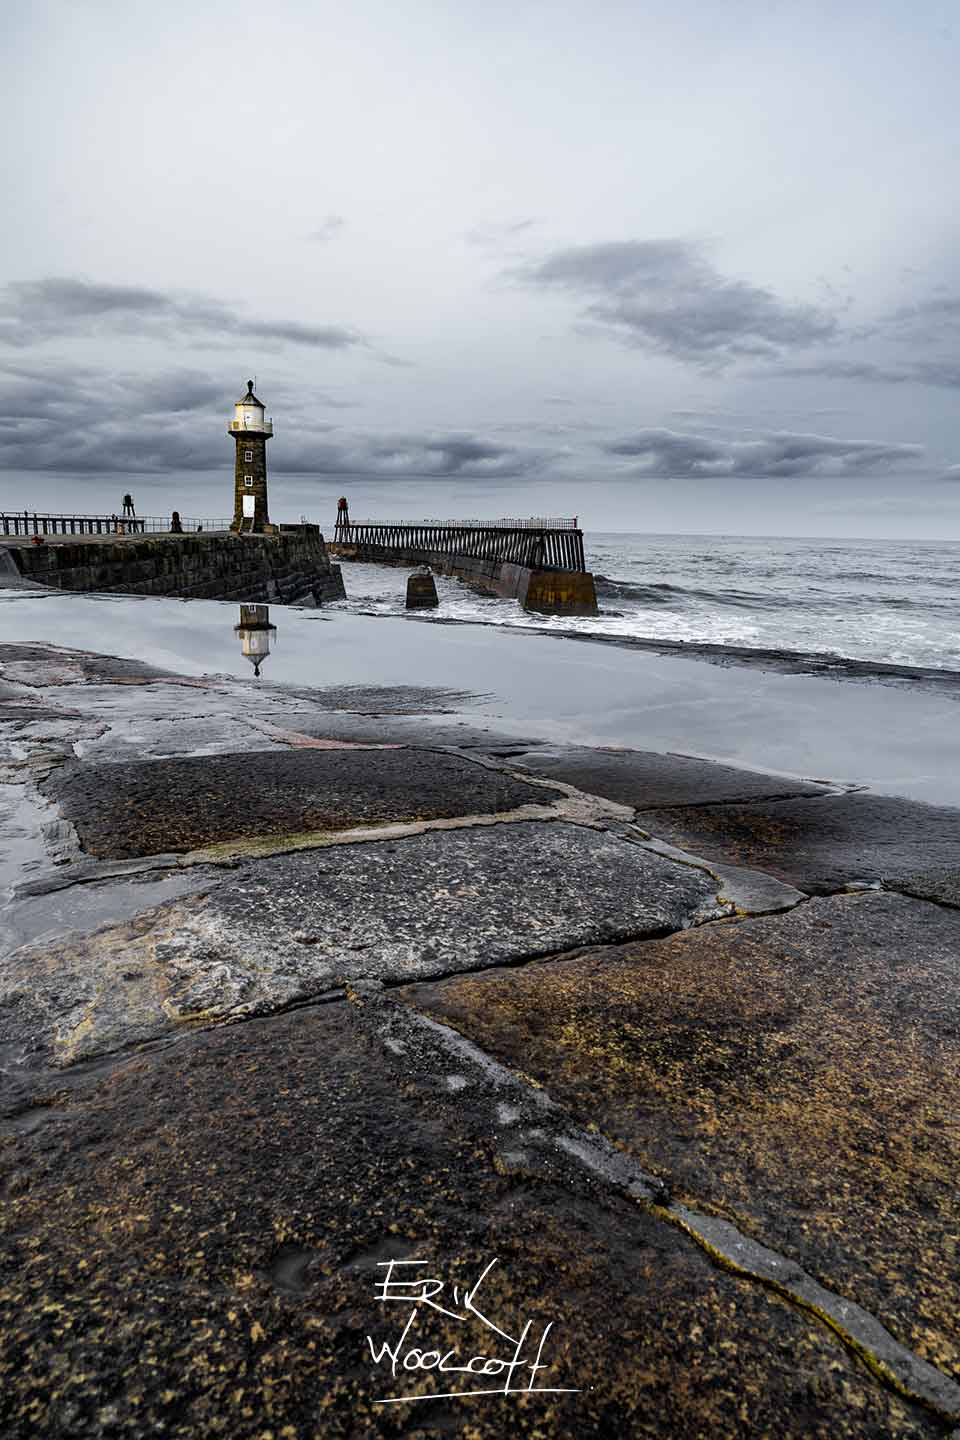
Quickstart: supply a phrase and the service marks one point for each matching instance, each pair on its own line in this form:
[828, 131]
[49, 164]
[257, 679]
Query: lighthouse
[251, 430]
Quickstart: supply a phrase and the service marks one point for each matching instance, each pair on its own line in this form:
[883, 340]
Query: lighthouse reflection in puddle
[255, 631]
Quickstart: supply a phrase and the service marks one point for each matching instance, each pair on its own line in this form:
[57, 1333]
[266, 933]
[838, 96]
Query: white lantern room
[248, 415]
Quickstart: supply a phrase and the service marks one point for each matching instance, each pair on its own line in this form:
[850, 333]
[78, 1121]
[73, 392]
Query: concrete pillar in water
[421, 591]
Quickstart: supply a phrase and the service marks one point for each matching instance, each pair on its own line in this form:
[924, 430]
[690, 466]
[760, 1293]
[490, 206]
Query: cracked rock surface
[820, 844]
[192, 1246]
[40, 665]
[122, 810]
[796, 1073]
[413, 730]
[273, 934]
[643, 778]
[940, 885]
[715, 1145]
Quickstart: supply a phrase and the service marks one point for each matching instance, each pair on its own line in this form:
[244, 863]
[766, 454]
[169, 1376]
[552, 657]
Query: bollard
[421, 591]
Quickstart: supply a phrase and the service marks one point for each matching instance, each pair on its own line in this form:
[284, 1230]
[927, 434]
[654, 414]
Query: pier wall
[552, 592]
[286, 567]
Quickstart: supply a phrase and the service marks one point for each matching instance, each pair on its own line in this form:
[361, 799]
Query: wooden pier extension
[539, 562]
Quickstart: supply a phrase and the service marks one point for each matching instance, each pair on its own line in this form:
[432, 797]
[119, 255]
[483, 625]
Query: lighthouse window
[248, 479]
[248, 454]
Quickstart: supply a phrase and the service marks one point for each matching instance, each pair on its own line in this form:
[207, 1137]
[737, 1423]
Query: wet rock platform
[309, 998]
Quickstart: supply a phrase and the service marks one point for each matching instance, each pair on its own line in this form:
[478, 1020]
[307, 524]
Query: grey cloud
[933, 319]
[177, 392]
[668, 453]
[327, 229]
[545, 427]
[395, 361]
[738, 420]
[901, 507]
[93, 421]
[37, 310]
[82, 422]
[491, 236]
[712, 414]
[63, 417]
[78, 394]
[930, 326]
[942, 375]
[665, 296]
[458, 454]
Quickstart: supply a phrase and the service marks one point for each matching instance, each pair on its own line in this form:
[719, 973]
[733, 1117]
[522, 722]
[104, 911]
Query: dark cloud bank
[662, 295]
[668, 453]
[665, 296]
[942, 374]
[36, 310]
[59, 419]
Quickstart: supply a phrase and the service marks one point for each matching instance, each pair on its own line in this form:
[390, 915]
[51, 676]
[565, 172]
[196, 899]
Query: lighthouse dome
[250, 398]
[248, 415]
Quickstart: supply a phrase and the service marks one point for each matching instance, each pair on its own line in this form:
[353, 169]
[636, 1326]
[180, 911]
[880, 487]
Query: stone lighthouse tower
[251, 431]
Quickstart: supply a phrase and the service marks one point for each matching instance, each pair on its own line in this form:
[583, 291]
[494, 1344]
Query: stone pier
[288, 566]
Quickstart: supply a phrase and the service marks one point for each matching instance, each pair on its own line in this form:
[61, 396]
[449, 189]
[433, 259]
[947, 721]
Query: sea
[867, 600]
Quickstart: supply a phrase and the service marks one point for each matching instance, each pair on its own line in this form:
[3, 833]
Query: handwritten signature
[420, 1293]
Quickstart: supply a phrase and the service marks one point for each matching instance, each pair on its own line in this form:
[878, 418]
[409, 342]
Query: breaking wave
[860, 600]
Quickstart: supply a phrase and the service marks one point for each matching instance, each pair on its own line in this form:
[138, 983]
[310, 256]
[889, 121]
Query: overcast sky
[663, 264]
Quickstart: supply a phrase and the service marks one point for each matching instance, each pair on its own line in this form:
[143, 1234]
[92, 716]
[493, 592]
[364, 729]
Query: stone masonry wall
[287, 567]
[255, 445]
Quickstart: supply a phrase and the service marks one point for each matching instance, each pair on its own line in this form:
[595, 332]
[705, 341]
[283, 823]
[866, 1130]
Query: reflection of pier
[539, 562]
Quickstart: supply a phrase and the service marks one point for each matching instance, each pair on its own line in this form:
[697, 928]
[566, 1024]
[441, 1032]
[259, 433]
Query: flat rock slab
[167, 721]
[943, 886]
[378, 699]
[413, 730]
[55, 911]
[57, 665]
[18, 715]
[823, 844]
[798, 1074]
[644, 778]
[276, 932]
[124, 810]
[193, 1247]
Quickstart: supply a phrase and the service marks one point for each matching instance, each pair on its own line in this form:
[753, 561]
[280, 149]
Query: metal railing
[540, 547]
[238, 427]
[30, 522]
[531, 524]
